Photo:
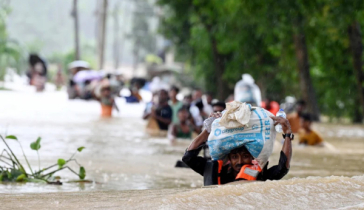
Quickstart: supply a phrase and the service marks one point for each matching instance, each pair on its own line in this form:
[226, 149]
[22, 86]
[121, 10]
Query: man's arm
[191, 157]
[287, 145]
[202, 138]
[167, 119]
[199, 140]
[115, 105]
[172, 133]
[162, 119]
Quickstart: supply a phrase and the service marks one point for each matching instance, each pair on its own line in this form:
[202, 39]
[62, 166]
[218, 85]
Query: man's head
[173, 92]
[208, 97]
[163, 96]
[197, 94]
[106, 91]
[183, 114]
[187, 100]
[239, 157]
[218, 106]
[300, 106]
[306, 121]
[267, 103]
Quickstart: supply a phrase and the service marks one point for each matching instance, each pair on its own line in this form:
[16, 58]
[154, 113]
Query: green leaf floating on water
[21, 177]
[35, 145]
[82, 173]
[61, 162]
[80, 149]
[11, 137]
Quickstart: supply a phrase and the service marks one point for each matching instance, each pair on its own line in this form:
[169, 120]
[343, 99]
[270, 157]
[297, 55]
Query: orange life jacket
[247, 172]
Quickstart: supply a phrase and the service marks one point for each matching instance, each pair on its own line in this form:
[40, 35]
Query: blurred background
[309, 50]
[63, 63]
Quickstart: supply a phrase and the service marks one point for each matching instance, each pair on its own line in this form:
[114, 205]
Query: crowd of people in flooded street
[166, 115]
[192, 117]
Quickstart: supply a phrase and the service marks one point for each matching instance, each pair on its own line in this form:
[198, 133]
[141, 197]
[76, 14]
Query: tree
[77, 40]
[141, 35]
[10, 53]
[301, 48]
[101, 35]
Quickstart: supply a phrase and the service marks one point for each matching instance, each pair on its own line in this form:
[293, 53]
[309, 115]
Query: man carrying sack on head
[240, 141]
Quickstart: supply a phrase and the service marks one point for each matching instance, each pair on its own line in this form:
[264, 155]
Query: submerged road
[132, 170]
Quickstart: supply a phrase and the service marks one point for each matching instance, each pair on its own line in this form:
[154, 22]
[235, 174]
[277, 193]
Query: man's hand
[286, 127]
[208, 122]
[153, 113]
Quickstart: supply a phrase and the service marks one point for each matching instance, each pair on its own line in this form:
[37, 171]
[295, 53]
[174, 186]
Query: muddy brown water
[131, 170]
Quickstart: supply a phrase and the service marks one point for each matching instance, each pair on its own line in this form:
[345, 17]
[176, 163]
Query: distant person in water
[184, 128]
[37, 72]
[174, 103]
[295, 118]
[218, 106]
[196, 110]
[107, 101]
[214, 172]
[187, 100]
[307, 136]
[134, 96]
[59, 80]
[207, 104]
[196, 95]
[160, 112]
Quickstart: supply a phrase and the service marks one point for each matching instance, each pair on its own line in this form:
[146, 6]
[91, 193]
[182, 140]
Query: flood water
[131, 169]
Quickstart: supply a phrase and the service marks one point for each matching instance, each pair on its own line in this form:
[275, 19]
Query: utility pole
[102, 19]
[116, 36]
[77, 40]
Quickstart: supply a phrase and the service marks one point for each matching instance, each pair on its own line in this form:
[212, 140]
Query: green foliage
[256, 37]
[11, 137]
[143, 39]
[10, 53]
[35, 145]
[12, 170]
[61, 162]
[82, 173]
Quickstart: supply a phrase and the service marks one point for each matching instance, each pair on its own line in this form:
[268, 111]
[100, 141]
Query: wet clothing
[106, 111]
[131, 99]
[181, 134]
[108, 101]
[294, 121]
[311, 138]
[164, 112]
[209, 169]
[175, 107]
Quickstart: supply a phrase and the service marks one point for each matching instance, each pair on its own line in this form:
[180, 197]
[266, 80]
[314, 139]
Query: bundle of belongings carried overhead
[243, 125]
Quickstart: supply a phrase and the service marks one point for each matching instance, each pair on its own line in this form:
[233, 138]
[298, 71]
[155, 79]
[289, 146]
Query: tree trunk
[102, 32]
[116, 36]
[308, 92]
[219, 64]
[135, 56]
[356, 46]
[77, 41]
